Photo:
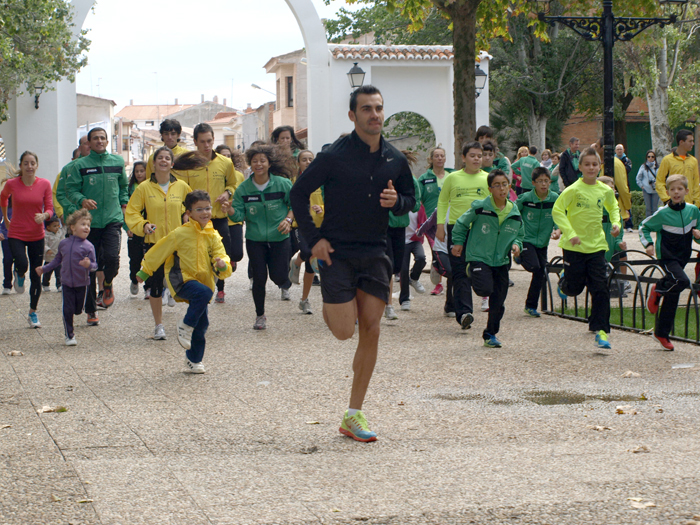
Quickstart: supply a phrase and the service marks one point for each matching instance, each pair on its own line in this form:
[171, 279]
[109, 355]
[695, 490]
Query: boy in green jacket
[536, 210]
[495, 229]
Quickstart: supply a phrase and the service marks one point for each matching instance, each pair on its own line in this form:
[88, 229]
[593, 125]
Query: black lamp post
[480, 76]
[356, 76]
[38, 90]
[609, 28]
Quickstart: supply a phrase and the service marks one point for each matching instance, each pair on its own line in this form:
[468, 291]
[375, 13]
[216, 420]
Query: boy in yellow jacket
[195, 258]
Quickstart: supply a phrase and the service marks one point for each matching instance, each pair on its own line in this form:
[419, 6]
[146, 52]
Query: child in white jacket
[55, 233]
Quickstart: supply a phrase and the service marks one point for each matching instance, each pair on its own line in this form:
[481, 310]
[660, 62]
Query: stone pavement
[526, 434]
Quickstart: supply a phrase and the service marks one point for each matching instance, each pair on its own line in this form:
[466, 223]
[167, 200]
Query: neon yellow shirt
[459, 190]
[579, 213]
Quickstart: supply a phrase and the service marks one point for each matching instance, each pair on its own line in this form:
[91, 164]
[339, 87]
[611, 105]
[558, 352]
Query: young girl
[154, 210]
[135, 242]
[53, 237]
[299, 244]
[194, 258]
[76, 258]
[284, 136]
[262, 202]
[579, 214]
[32, 203]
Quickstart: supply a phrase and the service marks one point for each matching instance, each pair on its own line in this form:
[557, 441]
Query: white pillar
[49, 131]
[317, 70]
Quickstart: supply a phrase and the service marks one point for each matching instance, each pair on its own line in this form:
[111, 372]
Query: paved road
[466, 434]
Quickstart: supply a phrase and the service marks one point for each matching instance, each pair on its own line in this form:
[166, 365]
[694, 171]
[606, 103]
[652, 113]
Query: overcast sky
[154, 52]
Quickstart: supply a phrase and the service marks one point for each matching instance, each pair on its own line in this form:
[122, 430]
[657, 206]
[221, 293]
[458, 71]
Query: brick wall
[587, 130]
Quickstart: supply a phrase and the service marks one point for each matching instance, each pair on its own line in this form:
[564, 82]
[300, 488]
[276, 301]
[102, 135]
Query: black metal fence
[633, 316]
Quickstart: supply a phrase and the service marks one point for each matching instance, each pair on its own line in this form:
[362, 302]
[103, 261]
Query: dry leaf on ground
[5, 426]
[626, 409]
[642, 505]
[313, 423]
[15, 353]
[629, 373]
[55, 498]
[642, 448]
[46, 409]
[598, 428]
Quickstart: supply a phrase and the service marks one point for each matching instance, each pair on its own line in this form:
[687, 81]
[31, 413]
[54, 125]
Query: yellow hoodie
[214, 178]
[189, 253]
[673, 164]
[163, 210]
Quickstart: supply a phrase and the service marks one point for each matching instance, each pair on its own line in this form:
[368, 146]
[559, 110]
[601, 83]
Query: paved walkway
[467, 434]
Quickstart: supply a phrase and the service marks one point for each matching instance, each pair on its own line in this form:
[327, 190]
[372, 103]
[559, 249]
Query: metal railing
[641, 281]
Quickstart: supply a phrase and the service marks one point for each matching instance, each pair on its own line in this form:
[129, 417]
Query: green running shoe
[357, 428]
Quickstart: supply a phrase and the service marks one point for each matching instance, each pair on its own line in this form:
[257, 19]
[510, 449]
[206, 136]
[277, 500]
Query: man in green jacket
[496, 229]
[98, 183]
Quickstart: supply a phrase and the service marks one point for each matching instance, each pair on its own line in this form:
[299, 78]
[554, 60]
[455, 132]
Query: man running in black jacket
[363, 178]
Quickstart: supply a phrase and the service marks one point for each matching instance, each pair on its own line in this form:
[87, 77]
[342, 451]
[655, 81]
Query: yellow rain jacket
[214, 178]
[189, 253]
[163, 210]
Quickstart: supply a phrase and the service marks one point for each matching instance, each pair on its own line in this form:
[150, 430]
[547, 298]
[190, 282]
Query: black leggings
[35, 251]
[264, 257]
[235, 232]
[299, 245]
[135, 248]
[221, 226]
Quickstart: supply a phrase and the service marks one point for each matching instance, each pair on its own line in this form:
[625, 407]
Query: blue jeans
[198, 295]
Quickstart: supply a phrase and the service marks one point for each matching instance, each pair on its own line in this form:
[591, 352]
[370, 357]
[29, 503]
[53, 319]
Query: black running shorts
[341, 280]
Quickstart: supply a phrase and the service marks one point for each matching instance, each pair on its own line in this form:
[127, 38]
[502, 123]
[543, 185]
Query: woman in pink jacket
[32, 204]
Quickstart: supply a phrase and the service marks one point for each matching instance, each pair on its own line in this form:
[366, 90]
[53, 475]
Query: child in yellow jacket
[194, 259]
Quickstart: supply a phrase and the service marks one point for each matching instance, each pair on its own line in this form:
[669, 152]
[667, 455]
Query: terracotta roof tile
[361, 52]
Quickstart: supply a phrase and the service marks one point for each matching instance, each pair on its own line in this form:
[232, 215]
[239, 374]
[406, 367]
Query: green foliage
[410, 127]
[37, 47]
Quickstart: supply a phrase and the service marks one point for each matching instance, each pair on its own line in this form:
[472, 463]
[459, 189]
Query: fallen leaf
[335, 510]
[598, 428]
[643, 397]
[659, 410]
[634, 499]
[46, 409]
[55, 498]
[637, 450]
[85, 501]
[15, 353]
[313, 423]
[645, 505]
[626, 409]
[401, 403]
[629, 373]
[5, 426]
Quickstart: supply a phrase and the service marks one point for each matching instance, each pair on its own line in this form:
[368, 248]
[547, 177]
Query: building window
[150, 123]
[290, 92]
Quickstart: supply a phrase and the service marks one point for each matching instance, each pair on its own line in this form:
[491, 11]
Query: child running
[299, 244]
[579, 214]
[76, 259]
[53, 237]
[675, 226]
[496, 230]
[536, 210]
[194, 258]
[134, 243]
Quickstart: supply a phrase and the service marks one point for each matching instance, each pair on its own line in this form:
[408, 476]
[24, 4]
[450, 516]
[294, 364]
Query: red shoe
[667, 345]
[220, 297]
[108, 297]
[93, 320]
[437, 290]
[653, 300]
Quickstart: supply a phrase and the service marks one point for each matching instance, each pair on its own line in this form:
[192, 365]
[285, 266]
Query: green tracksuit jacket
[489, 242]
[402, 221]
[99, 177]
[537, 217]
[430, 190]
[673, 225]
[262, 211]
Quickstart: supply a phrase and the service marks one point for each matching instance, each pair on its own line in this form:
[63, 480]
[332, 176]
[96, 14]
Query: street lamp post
[608, 28]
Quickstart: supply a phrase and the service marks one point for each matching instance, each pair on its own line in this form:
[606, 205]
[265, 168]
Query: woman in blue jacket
[646, 179]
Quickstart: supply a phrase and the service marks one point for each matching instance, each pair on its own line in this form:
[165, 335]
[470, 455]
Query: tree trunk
[463, 16]
[661, 134]
[536, 128]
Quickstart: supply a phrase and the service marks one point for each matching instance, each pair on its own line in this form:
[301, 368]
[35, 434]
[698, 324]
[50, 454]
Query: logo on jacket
[530, 216]
[252, 210]
[485, 229]
[92, 181]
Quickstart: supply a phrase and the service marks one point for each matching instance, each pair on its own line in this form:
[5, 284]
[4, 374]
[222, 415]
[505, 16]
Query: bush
[638, 213]
[637, 198]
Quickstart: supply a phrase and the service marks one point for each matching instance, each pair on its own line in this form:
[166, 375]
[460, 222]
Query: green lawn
[679, 328]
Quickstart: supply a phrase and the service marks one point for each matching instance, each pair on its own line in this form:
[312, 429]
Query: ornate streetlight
[356, 76]
[480, 76]
[608, 29]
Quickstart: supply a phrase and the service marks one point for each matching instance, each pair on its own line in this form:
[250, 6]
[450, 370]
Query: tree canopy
[37, 47]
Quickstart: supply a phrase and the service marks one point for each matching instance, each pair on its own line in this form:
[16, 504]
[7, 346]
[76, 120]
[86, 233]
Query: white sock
[352, 411]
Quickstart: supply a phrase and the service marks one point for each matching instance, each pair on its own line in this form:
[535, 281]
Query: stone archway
[51, 129]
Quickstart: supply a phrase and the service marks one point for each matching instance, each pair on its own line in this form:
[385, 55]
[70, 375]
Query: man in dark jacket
[363, 178]
[568, 163]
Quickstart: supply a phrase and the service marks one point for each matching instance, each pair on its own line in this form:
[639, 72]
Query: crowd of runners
[352, 215]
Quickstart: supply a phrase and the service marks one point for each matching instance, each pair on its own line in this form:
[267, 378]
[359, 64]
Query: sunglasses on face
[651, 157]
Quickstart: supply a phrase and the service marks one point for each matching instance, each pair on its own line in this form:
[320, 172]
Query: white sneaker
[194, 368]
[184, 334]
[484, 304]
[449, 314]
[389, 312]
[45, 288]
[397, 278]
[417, 286]
[134, 288]
[171, 301]
[305, 306]
[33, 320]
[284, 295]
[406, 306]
[70, 341]
[164, 297]
[294, 271]
[159, 334]
[6, 291]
